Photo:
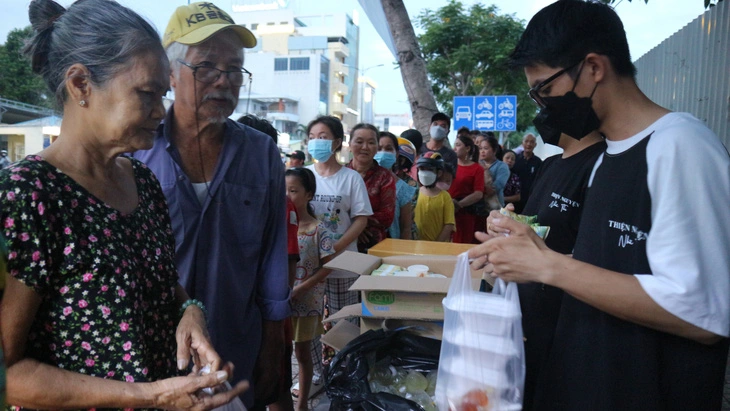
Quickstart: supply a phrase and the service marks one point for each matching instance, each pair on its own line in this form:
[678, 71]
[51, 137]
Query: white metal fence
[690, 71]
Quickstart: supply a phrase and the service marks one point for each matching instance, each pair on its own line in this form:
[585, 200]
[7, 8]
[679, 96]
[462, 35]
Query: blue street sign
[486, 113]
[463, 112]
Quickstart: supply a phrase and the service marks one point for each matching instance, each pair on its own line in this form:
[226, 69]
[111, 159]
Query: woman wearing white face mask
[341, 202]
[387, 157]
[379, 181]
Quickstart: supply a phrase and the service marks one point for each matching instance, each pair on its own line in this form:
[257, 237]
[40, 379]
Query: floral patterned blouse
[106, 279]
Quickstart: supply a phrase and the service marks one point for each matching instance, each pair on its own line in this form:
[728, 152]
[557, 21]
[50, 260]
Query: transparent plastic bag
[235, 405]
[482, 361]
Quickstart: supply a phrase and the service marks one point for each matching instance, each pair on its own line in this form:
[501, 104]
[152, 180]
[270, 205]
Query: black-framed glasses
[534, 92]
[209, 75]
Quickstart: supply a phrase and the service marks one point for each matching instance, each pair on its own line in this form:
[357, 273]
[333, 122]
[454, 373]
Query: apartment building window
[281, 64]
[299, 63]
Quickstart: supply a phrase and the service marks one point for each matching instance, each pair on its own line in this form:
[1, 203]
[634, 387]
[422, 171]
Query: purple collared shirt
[231, 249]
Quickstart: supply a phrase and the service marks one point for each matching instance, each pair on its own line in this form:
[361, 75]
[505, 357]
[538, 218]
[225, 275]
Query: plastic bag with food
[482, 361]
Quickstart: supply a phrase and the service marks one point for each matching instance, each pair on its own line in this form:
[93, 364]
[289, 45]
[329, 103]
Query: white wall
[300, 84]
[32, 142]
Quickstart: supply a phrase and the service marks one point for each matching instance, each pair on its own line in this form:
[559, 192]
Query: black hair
[563, 33]
[390, 136]
[309, 182]
[366, 126]
[415, 137]
[463, 129]
[403, 163]
[102, 35]
[261, 124]
[441, 116]
[449, 168]
[492, 141]
[471, 145]
[333, 124]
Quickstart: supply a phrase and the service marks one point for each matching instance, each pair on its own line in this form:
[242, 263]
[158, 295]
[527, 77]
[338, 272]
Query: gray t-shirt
[448, 154]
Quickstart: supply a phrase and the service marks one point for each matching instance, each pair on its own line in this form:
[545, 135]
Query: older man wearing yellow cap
[224, 184]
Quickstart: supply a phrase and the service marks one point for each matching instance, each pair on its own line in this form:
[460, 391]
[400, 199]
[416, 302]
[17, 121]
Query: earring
[82, 103]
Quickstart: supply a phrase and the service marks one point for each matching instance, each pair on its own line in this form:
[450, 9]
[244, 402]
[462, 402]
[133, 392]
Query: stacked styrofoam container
[481, 350]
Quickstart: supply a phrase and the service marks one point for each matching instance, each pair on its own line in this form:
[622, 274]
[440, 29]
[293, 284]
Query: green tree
[466, 52]
[412, 68]
[17, 80]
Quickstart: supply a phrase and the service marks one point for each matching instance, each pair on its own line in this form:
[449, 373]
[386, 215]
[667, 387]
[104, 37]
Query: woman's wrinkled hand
[193, 341]
[186, 393]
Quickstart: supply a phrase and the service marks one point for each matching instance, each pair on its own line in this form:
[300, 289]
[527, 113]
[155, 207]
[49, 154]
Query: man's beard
[217, 114]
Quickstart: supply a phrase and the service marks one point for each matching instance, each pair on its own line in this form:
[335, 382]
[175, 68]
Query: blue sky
[646, 26]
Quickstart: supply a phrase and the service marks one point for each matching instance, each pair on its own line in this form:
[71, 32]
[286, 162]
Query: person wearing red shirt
[466, 189]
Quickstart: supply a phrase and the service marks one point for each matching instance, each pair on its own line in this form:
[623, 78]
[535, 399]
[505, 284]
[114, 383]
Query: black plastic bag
[346, 382]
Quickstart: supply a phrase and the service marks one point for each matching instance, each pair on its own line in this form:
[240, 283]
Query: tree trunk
[412, 65]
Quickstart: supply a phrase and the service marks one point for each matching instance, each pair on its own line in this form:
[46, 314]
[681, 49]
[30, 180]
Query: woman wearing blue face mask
[387, 157]
[379, 181]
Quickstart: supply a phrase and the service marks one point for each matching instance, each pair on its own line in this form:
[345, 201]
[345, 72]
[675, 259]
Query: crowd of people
[154, 254]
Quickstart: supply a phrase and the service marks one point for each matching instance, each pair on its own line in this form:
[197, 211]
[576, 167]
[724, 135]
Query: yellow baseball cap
[194, 23]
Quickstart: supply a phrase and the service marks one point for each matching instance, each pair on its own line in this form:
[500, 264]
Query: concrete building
[367, 99]
[28, 137]
[395, 123]
[304, 65]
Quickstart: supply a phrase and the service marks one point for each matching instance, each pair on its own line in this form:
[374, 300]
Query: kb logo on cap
[212, 13]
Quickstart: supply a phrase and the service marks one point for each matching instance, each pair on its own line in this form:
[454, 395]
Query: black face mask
[568, 114]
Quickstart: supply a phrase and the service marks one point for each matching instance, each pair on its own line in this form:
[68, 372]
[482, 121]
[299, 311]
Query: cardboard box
[431, 329]
[394, 246]
[342, 333]
[400, 297]
[392, 302]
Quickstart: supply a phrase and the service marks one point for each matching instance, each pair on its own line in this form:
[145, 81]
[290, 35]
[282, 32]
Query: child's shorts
[307, 328]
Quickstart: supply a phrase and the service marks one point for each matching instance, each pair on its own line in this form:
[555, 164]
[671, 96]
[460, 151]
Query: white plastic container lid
[482, 342]
[472, 372]
[482, 303]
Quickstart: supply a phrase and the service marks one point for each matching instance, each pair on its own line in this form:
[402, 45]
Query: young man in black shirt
[645, 317]
[557, 200]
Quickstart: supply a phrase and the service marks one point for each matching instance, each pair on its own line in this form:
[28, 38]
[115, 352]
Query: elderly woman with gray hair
[93, 315]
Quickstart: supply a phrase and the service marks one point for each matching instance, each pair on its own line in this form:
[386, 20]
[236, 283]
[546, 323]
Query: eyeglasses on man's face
[209, 74]
[534, 92]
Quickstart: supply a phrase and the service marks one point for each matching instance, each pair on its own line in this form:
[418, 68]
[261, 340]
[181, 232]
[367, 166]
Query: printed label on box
[381, 297]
